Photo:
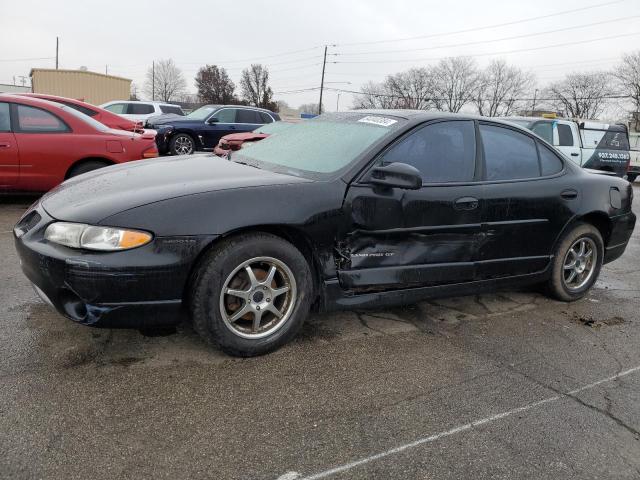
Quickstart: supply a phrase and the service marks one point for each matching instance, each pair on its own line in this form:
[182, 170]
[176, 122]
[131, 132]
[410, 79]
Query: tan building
[89, 87]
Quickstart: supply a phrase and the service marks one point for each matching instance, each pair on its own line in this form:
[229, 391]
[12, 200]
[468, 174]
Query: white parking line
[453, 431]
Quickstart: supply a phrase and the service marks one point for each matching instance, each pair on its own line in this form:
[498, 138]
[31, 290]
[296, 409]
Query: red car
[105, 117]
[236, 141]
[43, 143]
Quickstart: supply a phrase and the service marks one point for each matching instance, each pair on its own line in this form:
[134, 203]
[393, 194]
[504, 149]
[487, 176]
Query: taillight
[151, 152]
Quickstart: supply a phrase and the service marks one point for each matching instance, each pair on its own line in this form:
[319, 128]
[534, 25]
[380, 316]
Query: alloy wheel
[183, 145]
[579, 264]
[258, 297]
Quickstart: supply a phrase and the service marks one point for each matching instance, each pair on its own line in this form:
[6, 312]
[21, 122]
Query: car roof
[249, 107]
[142, 101]
[29, 100]
[418, 116]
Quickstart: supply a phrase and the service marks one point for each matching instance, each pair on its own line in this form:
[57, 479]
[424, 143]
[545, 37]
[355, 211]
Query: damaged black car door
[401, 237]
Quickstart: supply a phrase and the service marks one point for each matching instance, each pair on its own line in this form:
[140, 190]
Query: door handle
[574, 154]
[5, 145]
[569, 194]
[466, 203]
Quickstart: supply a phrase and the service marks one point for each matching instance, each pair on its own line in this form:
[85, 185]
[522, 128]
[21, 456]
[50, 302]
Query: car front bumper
[135, 288]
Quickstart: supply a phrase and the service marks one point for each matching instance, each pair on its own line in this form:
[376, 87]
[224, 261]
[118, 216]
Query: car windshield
[321, 146]
[202, 112]
[274, 127]
[85, 118]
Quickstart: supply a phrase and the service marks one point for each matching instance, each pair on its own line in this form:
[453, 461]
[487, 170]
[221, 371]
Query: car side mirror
[212, 120]
[396, 175]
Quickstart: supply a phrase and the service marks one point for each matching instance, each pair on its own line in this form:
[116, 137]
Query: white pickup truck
[599, 146]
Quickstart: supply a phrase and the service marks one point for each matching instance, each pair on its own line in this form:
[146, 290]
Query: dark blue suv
[202, 129]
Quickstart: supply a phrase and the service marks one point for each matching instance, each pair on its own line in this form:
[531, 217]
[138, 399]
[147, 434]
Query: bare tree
[627, 75]
[165, 81]
[455, 83]
[256, 91]
[499, 87]
[214, 85]
[374, 95]
[133, 92]
[580, 95]
[411, 89]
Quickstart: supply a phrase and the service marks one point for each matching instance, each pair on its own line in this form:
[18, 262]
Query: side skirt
[336, 298]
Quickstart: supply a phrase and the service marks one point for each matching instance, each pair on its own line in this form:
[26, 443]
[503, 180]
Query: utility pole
[57, 44]
[153, 81]
[106, 69]
[338, 103]
[324, 64]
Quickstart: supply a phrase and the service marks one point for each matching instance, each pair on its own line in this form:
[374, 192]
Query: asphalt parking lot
[507, 385]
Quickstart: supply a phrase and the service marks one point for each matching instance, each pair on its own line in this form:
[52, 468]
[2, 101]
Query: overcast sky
[126, 36]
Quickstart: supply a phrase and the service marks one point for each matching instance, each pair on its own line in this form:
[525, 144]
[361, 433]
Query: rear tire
[85, 167]
[631, 177]
[182, 144]
[576, 263]
[275, 299]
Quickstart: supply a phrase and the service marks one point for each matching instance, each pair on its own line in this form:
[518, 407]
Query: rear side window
[32, 119]
[443, 152]
[550, 164]
[171, 109]
[565, 137]
[80, 108]
[508, 155]
[265, 118]
[5, 119]
[118, 108]
[140, 109]
[248, 116]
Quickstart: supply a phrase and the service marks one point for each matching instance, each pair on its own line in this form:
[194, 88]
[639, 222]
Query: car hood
[96, 195]
[163, 118]
[244, 137]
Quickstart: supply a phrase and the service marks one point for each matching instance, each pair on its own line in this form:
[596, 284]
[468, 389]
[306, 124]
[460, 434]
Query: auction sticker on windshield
[382, 121]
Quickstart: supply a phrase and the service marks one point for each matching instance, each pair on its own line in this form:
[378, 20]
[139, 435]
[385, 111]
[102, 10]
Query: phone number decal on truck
[613, 156]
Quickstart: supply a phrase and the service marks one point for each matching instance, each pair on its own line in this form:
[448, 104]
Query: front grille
[29, 221]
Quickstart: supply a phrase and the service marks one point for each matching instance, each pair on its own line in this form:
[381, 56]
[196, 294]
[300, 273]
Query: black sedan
[349, 210]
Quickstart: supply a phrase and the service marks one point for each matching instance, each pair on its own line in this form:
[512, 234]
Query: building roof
[85, 72]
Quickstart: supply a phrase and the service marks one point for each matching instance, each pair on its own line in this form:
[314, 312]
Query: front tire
[85, 167]
[577, 263]
[182, 144]
[251, 294]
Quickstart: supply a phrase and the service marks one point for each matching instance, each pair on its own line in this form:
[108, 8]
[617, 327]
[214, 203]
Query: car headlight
[79, 235]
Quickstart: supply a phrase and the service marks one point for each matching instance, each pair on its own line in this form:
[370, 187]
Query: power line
[505, 52]
[475, 29]
[479, 42]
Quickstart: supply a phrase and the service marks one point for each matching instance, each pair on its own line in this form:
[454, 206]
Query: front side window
[32, 119]
[5, 118]
[118, 108]
[442, 152]
[508, 155]
[140, 109]
[226, 115]
[565, 136]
